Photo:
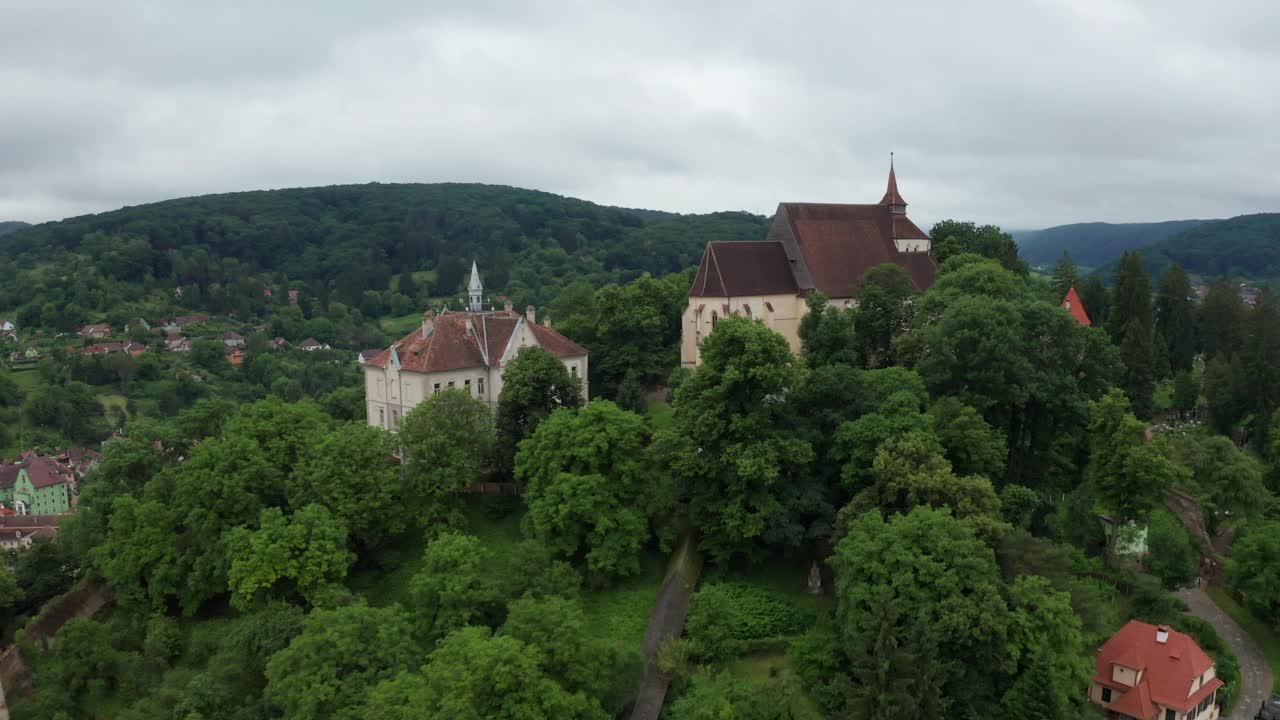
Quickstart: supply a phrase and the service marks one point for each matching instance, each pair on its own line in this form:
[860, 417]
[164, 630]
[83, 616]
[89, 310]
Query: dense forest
[1094, 244]
[1247, 246]
[343, 244]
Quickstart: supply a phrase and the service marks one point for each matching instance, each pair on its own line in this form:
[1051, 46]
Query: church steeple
[475, 289]
[892, 197]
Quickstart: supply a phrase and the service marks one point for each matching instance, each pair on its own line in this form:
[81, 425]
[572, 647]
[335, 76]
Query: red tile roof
[891, 194]
[734, 269]
[1073, 305]
[840, 243]
[463, 340]
[1169, 670]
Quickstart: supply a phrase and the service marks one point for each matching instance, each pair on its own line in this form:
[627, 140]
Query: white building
[466, 350]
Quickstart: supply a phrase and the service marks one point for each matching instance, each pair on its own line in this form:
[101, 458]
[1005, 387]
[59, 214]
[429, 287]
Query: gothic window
[382, 417]
[714, 318]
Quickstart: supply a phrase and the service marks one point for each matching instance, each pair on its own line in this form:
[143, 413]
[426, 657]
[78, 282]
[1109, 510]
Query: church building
[810, 247]
[466, 350]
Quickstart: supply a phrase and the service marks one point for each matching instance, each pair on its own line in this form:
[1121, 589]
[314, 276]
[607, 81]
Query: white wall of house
[783, 319]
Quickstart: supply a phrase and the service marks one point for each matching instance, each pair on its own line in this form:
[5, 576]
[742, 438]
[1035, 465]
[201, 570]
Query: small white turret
[475, 289]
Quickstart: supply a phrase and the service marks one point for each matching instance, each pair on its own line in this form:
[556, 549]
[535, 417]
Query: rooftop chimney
[1162, 634]
[546, 320]
[531, 314]
[507, 305]
[428, 322]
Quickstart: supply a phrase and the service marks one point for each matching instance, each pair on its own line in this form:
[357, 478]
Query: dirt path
[667, 621]
[1255, 674]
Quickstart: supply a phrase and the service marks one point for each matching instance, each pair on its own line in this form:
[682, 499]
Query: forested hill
[8, 226]
[340, 241]
[1247, 246]
[1094, 244]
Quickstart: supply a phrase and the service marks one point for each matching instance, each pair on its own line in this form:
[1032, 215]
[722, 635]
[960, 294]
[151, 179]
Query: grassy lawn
[398, 326]
[26, 379]
[1266, 636]
[774, 669]
[114, 401]
[660, 414]
[620, 613]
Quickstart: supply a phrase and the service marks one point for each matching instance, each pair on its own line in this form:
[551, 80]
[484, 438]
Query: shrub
[727, 616]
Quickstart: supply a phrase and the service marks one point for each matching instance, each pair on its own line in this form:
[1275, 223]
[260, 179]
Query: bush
[673, 658]
[727, 616]
[1225, 665]
[1172, 558]
[163, 641]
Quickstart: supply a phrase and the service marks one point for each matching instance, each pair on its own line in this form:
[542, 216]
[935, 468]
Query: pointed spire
[475, 289]
[892, 197]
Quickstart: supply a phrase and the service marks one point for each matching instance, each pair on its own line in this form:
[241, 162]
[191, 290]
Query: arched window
[714, 318]
[747, 308]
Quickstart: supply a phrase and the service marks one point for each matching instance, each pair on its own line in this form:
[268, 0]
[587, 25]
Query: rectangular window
[480, 385]
[573, 370]
[1170, 714]
[382, 417]
[1106, 695]
[450, 383]
[436, 389]
[395, 419]
[467, 384]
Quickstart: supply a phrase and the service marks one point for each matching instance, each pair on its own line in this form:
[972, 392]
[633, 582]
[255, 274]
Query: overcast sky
[1023, 113]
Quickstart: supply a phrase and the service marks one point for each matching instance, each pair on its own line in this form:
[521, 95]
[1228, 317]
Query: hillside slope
[8, 226]
[1094, 244]
[340, 242]
[1247, 246]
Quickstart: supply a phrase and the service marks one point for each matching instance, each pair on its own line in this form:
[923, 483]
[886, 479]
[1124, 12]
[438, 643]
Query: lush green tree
[826, 334]
[282, 429]
[730, 447]
[455, 586]
[1227, 481]
[352, 473]
[636, 331]
[1045, 641]
[448, 443]
[1170, 554]
[305, 553]
[572, 655]
[139, 556]
[897, 676]
[713, 696]
[856, 442]
[882, 313]
[340, 654]
[1253, 569]
[953, 237]
[937, 572]
[1175, 318]
[10, 393]
[1127, 473]
[1018, 504]
[589, 488]
[1096, 299]
[1065, 277]
[713, 616]
[1222, 320]
[534, 385]
[1261, 348]
[474, 674]
[909, 470]
[71, 409]
[1186, 392]
[972, 445]
[1131, 324]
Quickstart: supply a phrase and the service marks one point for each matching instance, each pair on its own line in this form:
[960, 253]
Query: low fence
[494, 488]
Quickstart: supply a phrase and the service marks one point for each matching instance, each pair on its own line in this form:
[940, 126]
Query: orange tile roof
[1169, 669]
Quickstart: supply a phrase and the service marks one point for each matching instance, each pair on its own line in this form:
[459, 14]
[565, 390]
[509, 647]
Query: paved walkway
[1255, 674]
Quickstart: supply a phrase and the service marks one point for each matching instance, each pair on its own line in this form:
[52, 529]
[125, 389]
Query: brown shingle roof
[734, 269]
[455, 344]
[839, 243]
[43, 471]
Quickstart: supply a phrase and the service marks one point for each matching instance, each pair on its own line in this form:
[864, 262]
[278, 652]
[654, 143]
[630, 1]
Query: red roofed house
[810, 247]
[96, 332]
[1153, 672]
[465, 350]
[1071, 303]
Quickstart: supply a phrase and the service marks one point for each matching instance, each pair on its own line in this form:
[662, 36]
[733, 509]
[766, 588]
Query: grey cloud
[1008, 111]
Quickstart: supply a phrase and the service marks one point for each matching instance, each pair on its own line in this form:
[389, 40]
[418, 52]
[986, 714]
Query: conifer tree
[1097, 301]
[1222, 318]
[1131, 325]
[1065, 276]
[1175, 318]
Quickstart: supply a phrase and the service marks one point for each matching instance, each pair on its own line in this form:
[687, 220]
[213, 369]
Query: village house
[233, 339]
[277, 343]
[1153, 672]
[21, 538]
[7, 326]
[366, 355]
[466, 350]
[235, 356]
[27, 357]
[177, 343]
[1071, 303]
[36, 486]
[95, 332]
[810, 247]
[311, 345]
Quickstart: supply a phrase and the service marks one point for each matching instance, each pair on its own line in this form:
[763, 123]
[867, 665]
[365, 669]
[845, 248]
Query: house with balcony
[1153, 672]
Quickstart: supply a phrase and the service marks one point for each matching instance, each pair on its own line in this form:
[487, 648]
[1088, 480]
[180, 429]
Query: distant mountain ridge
[8, 226]
[1246, 246]
[1097, 243]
